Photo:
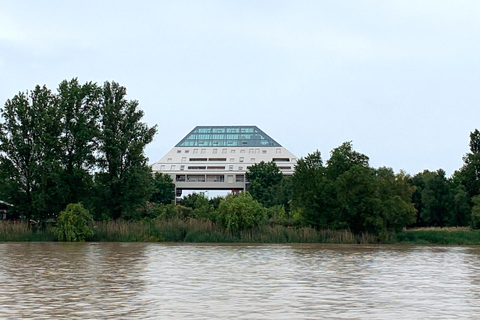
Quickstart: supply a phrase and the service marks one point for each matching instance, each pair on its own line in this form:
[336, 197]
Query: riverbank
[194, 230]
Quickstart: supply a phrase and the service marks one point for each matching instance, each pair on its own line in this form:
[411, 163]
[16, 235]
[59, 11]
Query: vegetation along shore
[73, 168]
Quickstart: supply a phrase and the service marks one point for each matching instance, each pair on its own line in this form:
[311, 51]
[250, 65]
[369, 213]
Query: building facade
[217, 157]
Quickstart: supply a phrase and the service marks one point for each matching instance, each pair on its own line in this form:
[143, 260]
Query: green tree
[343, 158]
[470, 172]
[475, 222]
[29, 148]
[437, 199]
[164, 189]
[312, 191]
[200, 205]
[80, 110]
[125, 180]
[240, 212]
[74, 224]
[395, 193]
[263, 178]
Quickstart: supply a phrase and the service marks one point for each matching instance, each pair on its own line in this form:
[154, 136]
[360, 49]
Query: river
[204, 281]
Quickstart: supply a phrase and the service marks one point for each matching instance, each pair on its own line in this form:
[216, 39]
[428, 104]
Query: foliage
[29, 149]
[240, 212]
[470, 171]
[263, 178]
[124, 182]
[476, 212]
[348, 194]
[74, 224]
[52, 145]
[164, 189]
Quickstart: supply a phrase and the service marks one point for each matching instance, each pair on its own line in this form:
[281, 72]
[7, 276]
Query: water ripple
[187, 281]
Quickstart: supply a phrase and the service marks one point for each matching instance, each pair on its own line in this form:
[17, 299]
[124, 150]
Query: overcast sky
[401, 79]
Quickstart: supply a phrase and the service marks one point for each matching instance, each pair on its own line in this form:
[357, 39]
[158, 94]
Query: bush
[240, 212]
[74, 224]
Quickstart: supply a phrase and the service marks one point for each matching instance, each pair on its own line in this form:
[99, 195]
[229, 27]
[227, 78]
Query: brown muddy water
[194, 281]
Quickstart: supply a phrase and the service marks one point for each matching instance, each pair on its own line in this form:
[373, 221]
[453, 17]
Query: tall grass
[449, 236]
[22, 231]
[187, 230]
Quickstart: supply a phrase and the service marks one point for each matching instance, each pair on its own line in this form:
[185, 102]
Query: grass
[197, 230]
[446, 236]
[21, 231]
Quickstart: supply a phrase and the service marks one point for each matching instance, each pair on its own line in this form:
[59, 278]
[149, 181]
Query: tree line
[84, 143]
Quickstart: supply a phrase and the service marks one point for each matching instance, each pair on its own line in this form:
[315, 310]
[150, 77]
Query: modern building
[217, 157]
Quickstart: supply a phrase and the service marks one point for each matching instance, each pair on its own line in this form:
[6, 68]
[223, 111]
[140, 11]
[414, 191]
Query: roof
[227, 136]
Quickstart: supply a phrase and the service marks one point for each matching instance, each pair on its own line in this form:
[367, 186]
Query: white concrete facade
[219, 158]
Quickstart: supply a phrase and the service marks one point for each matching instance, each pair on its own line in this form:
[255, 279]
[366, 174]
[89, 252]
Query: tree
[470, 172]
[125, 179]
[80, 110]
[312, 191]
[475, 223]
[240, 212]
[348, 194]
[395, 194]
[29, 150]
[164, 189]
[74, 224]
[343, 158]
[437, 199]
[263, 178]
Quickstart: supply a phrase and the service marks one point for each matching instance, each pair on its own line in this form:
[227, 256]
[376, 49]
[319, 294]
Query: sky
[400, 79]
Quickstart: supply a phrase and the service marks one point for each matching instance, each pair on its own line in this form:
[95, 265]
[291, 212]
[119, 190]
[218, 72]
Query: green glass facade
[227, 136]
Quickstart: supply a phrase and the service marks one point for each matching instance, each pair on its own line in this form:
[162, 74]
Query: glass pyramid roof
[227, 136]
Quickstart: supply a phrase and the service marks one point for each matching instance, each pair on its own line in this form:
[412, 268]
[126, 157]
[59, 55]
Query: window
[264, 151]
[179, 151]
[169, 160]
[162, 167]
[182, 168]
[281, 159]
[217, 159]
[214, 151]
[239, 178]
[284, 168]
[195, 151]
[184, 159]
[196, 167]
[230, 168]
[224, 150]
[215, 168]
[187, 151]
[242, 151]
[252, 159]
[240, 168]
[198, 159]
[241, 159]
[257, 150]
[232, 159]
[233, 151]
[203, 151]
[250, 151]
[172, 167]
[279, 150]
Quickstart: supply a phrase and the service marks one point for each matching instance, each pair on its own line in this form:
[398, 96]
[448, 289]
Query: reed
[187, 230]
[22, 231]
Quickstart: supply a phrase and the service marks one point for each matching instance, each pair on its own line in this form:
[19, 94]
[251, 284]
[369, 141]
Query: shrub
[240, 212]
[74, 224]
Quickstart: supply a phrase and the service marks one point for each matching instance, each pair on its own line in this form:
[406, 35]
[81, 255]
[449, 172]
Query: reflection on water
[178, 281]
